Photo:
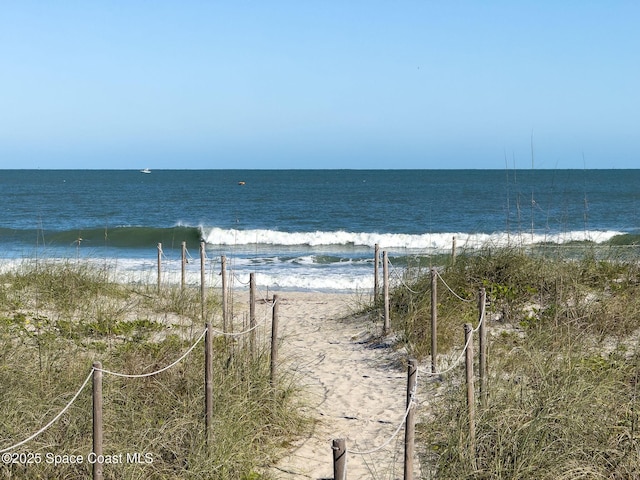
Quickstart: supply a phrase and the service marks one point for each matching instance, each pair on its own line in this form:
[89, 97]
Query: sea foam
[425, 241]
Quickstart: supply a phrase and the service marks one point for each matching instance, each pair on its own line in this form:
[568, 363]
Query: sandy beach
[353, 384]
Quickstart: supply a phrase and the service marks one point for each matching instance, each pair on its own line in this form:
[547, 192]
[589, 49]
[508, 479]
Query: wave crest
[437, 241]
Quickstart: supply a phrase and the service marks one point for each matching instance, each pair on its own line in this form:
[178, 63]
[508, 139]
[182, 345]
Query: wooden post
[434, 320]
[184, 265]
[159, 265]
[208, 384]
[453, 251]
[482, 364]
[339, 448]
[410, 423]
[223, 273]
[97, 419]
[468, 339]
[202, 273]
[252, 314]
[274, 338]
[376, 280]
[385, 271]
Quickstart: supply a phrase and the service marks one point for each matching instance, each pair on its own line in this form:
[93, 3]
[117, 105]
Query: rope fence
[97, 371]
[450, 289]
[249, 330]
[402, 281]
[164, 369]
[339, 448]
[54, 420]
[86, 381]
[458, 360]
[412, 402]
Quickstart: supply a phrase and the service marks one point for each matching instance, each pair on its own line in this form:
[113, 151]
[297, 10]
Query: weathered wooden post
[385, 272]
[453, 251]
[339, 448]
[183, 277]
[471, 405]
[252, 314]
[208, 384]
[482, 364]
[410, 423]
[223, 273]
[376, 280]
[159, 265]
[202, 274]
[434, 320]
[274, 338]
[97, 469]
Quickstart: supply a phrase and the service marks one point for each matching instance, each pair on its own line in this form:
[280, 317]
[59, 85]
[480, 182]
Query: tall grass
[564, 365]
[56, 319]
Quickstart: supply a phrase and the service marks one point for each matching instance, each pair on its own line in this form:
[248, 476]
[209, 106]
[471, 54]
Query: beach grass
[563, 365]
[57, 318]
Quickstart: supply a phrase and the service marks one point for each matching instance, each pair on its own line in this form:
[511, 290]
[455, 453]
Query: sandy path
[355, 388]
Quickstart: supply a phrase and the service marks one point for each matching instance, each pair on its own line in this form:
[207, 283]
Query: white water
[317, 261]
[434, 241]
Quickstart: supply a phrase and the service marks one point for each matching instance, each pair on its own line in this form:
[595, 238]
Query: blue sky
[319, 84]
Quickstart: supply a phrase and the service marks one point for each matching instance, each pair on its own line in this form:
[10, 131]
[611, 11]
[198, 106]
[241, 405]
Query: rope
[117, 374]
[455, 364]
[395, 433]
[401, 279]
[162, 255]
[142, 375]
[264, 298]
[273, 304]
[232, 334]
[235, 276]
[482, 315]
[54, 420]
[449, 288]
[237, 334]
[481, 319]
[466, 345]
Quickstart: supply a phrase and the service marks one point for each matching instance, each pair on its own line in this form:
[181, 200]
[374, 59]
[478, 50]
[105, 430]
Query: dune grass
[56, 319]
[563, 363]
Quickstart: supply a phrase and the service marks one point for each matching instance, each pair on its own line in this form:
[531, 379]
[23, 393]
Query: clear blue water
[310, 229]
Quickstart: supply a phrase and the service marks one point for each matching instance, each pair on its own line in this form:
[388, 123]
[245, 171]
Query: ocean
[303, 229]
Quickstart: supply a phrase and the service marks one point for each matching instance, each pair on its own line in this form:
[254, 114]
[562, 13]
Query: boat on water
[145, 170]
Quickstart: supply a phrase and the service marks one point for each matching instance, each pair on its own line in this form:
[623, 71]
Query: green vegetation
[56, 319]
[563, 360]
